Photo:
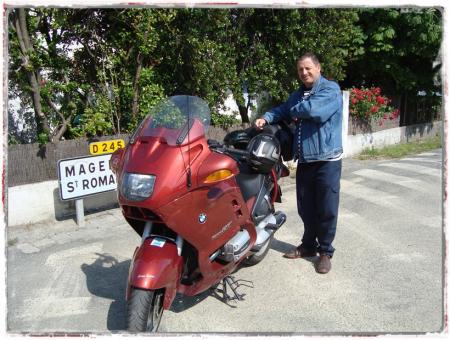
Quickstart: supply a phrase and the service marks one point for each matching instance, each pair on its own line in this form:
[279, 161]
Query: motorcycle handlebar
[240, 155]
[238, 152]
[235, 153]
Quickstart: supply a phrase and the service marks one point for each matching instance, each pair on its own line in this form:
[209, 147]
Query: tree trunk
[62, 128]
[137, 77]
[243, 111]
[136, 88]
[26, 48]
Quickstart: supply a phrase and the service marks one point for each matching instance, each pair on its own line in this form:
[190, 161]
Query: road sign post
[79, 208]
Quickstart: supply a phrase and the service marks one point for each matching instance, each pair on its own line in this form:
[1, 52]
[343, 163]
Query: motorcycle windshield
[176, 120]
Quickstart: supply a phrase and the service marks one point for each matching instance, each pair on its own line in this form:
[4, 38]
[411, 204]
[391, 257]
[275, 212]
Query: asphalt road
[387, 274]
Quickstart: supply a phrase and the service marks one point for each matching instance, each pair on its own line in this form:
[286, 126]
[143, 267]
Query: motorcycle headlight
[137, 187]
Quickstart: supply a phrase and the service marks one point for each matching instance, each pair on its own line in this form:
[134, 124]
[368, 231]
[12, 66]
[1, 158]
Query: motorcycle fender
[156, 265]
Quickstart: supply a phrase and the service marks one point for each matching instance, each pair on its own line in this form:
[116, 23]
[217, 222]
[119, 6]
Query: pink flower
[380, 100]
[369, 104]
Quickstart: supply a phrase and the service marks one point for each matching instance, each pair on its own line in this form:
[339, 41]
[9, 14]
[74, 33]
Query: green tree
[122, 61]
[212, 52]
[39, 71]
[401, 50]
[120, 49]
[99, 71]
[198, 57]
[78, 67]
[269, 41]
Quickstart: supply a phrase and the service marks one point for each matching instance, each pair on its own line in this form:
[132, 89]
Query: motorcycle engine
[233, 250]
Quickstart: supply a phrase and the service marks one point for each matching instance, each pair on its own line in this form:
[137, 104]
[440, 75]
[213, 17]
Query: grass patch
[401, 150]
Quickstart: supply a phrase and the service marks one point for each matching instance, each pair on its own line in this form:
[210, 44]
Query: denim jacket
[318, 118]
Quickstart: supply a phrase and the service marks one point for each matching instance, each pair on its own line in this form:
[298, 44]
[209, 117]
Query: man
[316, 109]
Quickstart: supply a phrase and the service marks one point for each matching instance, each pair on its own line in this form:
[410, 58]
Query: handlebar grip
[236, 152]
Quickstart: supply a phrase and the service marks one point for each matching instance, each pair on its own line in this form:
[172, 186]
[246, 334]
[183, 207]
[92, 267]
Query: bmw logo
[202, 218]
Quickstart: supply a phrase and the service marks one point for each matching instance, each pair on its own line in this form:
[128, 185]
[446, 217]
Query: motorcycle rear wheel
[260, 255]
[145, 309]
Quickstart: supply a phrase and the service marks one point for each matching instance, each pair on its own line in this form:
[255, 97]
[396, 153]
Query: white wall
[345, 118]
[357, 143]
[40, 202]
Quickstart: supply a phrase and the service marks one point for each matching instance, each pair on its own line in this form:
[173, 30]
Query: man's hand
[259, 123]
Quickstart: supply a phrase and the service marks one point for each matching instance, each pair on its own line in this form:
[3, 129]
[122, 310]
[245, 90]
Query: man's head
[308, 68]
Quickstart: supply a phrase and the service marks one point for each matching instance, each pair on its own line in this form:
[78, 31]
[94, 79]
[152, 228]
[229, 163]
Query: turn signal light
[218, 175]
[115, 159]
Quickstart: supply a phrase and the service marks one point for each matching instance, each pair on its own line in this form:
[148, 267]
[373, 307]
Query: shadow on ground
[107, 278]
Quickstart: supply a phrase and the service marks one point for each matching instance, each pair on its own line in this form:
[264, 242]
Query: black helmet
[264, 152]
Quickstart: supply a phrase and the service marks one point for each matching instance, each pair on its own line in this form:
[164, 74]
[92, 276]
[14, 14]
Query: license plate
[158, 242]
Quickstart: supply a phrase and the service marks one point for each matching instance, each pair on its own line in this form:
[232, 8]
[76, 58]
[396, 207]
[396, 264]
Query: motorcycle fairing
[226, 214]
[168, 163]
[223, 206]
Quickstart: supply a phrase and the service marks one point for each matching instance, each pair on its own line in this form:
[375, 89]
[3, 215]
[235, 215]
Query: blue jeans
[318, 185]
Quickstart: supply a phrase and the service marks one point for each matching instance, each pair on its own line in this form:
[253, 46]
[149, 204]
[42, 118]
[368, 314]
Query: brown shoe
[324, 264]
[299, 252]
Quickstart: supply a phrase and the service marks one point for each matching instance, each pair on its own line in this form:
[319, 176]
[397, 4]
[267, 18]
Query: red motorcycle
[202, 208]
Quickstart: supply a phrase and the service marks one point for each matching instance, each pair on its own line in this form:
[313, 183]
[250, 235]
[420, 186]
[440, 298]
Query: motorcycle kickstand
[233, 285]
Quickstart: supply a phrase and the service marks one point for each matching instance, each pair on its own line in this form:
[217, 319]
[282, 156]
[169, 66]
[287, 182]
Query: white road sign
[84, 176]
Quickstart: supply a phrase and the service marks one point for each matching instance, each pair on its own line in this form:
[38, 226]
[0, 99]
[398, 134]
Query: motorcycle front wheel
[145, 309]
